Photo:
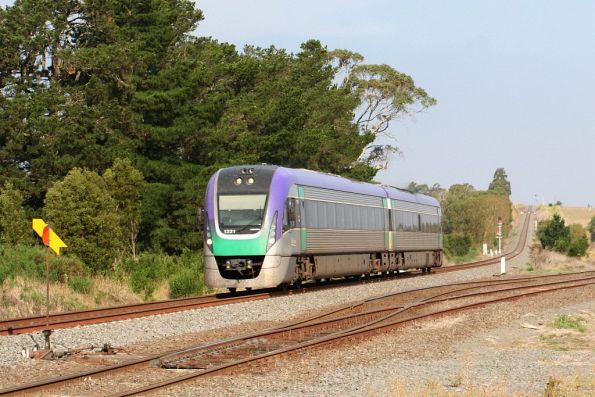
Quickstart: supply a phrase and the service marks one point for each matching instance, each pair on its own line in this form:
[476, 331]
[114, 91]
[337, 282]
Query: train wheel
[232, 290]
[248, 288]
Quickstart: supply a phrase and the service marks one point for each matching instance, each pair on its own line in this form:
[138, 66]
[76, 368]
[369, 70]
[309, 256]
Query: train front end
[243, 216]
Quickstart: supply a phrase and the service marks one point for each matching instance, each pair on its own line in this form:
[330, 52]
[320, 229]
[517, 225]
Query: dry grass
[575, 386]
[579, 215]
[20, 297]
[548, 262]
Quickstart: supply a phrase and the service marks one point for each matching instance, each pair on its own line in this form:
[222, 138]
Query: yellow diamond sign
[49, 237]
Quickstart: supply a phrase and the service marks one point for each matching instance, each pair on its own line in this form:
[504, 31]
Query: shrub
[187, 282]
[14, 226]
[79, 284]
[29, 262]
[457, 244]
[578, 247]
[553, 233]
[146, 271]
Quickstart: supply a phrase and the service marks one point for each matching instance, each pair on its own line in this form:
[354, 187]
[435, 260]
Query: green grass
[470, 256]
[567, 322]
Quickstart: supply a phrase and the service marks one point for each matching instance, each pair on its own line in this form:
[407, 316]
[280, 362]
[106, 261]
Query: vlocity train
[267, 226]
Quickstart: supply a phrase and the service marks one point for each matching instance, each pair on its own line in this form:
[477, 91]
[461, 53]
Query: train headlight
[272, 233]
[228, 264]
[250, 181]
[238, 181]
[208, 238]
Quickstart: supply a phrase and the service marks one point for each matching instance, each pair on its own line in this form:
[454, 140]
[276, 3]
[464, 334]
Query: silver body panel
[276, 270]
[333, 241]
[418, 241]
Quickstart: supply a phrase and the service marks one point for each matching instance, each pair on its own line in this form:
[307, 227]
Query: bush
[457, 244]
[551, 231]
[578, 247]
[147, 270]
[184, 272]
[188, 282]
[29, 263]
[79, 284]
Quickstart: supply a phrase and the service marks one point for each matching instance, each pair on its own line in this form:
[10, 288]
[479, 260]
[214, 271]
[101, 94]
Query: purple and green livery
[267, 225]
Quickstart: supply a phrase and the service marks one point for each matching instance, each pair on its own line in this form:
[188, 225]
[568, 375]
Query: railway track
[364, 318]
[101, 315]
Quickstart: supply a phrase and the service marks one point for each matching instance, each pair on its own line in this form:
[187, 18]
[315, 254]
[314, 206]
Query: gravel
[470, 351]
[127, 332]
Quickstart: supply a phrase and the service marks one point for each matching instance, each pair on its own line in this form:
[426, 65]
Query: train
[267, 226]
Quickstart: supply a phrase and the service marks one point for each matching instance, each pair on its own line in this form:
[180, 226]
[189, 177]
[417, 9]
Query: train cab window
[289, 215]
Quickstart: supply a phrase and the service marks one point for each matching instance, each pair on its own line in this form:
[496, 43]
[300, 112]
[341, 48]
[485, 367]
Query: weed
[566, 322]
[552, 388]
[456, 380]
[529, 267]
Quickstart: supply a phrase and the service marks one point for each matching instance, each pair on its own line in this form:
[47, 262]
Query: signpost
[499, 235]
[51, 241]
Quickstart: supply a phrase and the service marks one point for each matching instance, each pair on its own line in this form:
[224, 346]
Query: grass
[568, 333]
[567, 322]
[22, 297]
[575, 386]
[73, 286]
[470, 256]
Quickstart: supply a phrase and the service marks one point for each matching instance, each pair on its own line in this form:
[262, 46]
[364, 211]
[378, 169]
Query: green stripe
[303, 230]
[229, 247]
[386, 233]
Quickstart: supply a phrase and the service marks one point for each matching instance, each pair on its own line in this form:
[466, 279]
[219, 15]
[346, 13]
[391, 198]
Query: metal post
[47, 286]
[47, 332]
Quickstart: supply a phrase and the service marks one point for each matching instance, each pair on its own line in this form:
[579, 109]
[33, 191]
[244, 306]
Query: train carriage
[266, 226]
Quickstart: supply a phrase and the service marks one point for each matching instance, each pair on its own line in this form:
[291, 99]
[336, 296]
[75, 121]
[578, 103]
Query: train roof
[336, 182]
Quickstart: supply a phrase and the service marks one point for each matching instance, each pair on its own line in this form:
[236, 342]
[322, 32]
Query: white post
[485, 249]
[499, 235]
[502, 265]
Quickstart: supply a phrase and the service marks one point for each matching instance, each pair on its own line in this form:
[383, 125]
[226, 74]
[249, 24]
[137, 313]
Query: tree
[84, 214]
[435, 190]
[385, 95]
[125, 184]
[592, 228]
[14, 226]
[500, 183]
[83, 83]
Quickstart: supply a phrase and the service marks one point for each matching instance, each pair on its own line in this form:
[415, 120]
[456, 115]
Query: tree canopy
[83, 84]
[500, 183]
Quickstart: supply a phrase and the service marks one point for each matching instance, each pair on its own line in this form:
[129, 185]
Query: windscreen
[241, 213]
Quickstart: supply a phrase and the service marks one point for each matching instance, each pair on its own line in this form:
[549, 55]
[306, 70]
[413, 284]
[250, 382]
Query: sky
[514, 81]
